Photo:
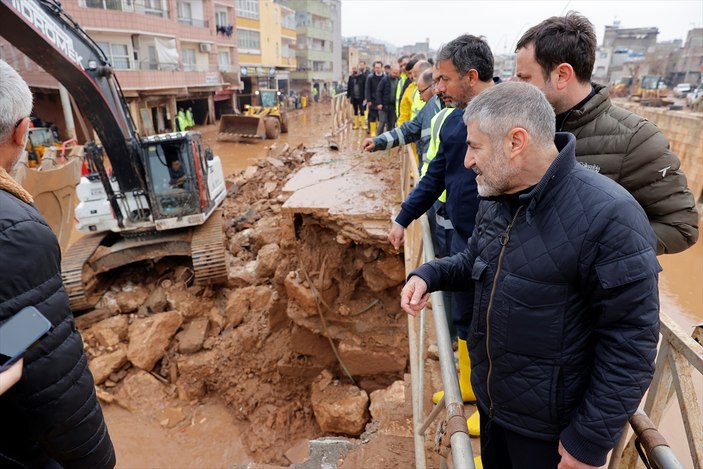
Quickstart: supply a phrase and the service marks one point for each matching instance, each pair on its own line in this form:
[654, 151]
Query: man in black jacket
[563, 271]
[385, 97]
[51, 416]
[372, 82]
[355, 94]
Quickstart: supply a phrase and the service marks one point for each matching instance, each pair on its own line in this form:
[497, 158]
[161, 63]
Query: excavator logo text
[48, 27]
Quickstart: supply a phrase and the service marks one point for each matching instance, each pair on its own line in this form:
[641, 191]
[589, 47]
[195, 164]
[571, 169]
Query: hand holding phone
[19, 333]
[10, 376]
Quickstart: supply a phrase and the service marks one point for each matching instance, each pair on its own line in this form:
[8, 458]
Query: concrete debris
[149, 338]
[339, 408]
[104, 365]
[191, 338]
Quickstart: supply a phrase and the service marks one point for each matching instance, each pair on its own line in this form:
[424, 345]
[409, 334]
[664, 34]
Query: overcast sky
[402, 22]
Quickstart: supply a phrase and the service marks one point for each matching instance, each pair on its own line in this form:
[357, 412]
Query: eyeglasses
[422, 91]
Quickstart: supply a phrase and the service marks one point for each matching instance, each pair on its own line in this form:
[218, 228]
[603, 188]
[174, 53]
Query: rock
[171, 417]
[239, 241]
[265, 231]
[111, 331]
[298, 453]
[385, 273]
[141, 392]
[374, 355]
[339, 408]
[190, 339]
[303, 295]
[390, 408]
[193, 372]
[270, 187]
[275, 161]
[104, 365]
[186, 302]
[217, 321]
[104, 396]
[157, 302]
[250, 172]
[131, 297]
[149, 338]
[245, 300]
[305, 342]
[84, 321]
[267, 260]
[239, 275]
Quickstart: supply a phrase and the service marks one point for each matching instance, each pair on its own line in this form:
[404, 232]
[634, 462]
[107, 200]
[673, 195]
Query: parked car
[694, 96]
[682, 89]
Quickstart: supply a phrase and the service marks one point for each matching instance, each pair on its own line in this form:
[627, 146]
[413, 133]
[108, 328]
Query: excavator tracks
[208, 251]
[73, 264]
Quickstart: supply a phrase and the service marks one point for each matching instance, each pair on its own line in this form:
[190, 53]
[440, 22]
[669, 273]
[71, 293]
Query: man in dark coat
[385, 97]
[51, 415]
[355, 94]
[372, 82]
[563, 270]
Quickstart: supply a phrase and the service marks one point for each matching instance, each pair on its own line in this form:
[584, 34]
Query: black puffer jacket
[566, 312]
[52, 412]
[633, 152]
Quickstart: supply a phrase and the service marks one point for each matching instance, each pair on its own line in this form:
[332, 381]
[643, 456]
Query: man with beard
[463, 69]
[563, 270]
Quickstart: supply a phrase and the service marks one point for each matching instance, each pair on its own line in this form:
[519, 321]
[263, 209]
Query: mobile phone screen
[19, 332]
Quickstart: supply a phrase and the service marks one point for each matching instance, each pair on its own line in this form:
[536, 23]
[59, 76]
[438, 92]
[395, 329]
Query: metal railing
[678, 359]
[341, 113]
[418, 249]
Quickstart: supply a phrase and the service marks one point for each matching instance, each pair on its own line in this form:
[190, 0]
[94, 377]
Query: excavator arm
[51, 38]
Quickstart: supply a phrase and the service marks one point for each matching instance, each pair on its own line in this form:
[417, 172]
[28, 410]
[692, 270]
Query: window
[185, 15]
[153, 59]
[117, 54]
[104, 4]
[248, 9]
[288, 19]
[221, 18]
[153, 7]
[223, 61]
[188, 59]
[248, 40]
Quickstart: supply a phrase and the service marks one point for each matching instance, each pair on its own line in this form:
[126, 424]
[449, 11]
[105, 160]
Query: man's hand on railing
[396, 235]
[567, 460]
[414, 295]
[368, 145]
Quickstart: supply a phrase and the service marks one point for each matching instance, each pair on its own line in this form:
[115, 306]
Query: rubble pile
[307, 328]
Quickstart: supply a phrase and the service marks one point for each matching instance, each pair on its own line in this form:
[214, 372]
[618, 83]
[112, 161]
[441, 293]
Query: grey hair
[503, 107]
[15, 100]
[423, 65]
[426, 77]
[468, 52]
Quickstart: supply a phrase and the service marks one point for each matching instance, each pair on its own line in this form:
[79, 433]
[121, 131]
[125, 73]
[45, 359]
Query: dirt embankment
[307, 309]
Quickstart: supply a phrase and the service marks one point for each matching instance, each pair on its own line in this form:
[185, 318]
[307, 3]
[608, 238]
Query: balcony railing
[198, 23]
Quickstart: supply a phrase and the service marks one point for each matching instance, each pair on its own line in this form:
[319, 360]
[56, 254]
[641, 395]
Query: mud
[306, 293]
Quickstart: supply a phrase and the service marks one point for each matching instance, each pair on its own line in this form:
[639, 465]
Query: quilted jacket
[52, 412]
[631, 151]
[566, 311]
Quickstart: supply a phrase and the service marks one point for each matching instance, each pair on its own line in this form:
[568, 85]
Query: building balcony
[195, 22]
[316, 33]
[313, 7]
[315, 55]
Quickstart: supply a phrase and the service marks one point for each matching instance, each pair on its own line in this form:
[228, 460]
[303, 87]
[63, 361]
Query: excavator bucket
[232, 125]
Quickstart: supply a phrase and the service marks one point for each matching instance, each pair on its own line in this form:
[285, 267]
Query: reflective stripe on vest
[433, 146]
[416, 105]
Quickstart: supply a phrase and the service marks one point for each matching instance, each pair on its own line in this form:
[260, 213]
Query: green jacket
[633, 152]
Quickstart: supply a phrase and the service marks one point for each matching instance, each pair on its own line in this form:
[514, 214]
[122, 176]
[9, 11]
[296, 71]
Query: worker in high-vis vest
[464, 68]
[402, 82]
[416, 130]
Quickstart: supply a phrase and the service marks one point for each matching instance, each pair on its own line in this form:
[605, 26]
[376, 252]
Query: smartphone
[19, 333]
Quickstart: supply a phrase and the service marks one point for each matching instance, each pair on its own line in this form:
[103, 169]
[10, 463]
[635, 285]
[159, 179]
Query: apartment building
[166, 54]
[266, 38]
[317, 22]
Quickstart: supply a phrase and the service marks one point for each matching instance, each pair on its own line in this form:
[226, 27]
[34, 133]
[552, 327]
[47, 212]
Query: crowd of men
[548, 205]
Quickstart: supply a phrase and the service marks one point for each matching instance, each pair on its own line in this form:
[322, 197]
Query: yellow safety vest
[416, 105]
[433, 147]
[398, 89]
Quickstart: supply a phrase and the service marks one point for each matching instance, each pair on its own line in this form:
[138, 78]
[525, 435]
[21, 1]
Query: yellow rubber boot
[356, 122]
[467, 392]
[478, 464]
[373, 128]
[474, 424]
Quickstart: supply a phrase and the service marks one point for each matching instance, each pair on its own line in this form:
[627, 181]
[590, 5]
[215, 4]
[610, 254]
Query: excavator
[151, 197]
[266, 120]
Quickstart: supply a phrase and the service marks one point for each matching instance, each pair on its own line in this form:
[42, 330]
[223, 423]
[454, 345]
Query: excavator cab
[177, 171]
